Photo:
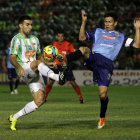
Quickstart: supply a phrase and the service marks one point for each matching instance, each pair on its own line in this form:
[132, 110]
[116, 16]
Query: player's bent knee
[103, 95]
[39, 102]
[39, 98]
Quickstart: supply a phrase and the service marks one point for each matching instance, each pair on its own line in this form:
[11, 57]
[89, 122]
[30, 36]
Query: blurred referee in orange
[64, 47]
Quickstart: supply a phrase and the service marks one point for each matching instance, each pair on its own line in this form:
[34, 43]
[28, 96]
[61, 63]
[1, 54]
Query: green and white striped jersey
[25, 49]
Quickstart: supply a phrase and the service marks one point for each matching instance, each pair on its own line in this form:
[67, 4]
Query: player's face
[26, 27]
[60, 37]
[109, 24]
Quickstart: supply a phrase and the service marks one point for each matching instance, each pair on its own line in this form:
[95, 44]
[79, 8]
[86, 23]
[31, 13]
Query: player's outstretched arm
[82, 36]
[137, 33]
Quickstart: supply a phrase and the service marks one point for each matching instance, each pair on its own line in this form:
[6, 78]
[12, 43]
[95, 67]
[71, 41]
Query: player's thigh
[14, 74]
[30, 75]
[9, 72]
[37, 84]
[70, 76]
[102, 76]
[102, 91]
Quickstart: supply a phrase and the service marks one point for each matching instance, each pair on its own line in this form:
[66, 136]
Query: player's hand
[84, 15]
[60, 57]
[21, 72]
[137, 23]
[63, 60]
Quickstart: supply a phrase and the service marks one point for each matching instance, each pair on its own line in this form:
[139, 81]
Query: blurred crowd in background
[49, 16]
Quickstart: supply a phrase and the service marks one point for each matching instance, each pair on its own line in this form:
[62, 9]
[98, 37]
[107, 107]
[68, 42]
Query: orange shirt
[64, 48]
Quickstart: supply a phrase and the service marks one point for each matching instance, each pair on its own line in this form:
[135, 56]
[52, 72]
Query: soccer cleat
[81, 101]
[13, 123]
[16, 91]
[12, 92]
[101, 123]
[62, 76]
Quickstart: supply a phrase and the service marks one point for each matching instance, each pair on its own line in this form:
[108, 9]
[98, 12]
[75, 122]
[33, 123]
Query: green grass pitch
[62, 117]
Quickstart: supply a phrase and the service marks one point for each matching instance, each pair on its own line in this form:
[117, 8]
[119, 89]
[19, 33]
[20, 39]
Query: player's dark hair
[111, 14]
[61, 32]
[22, 18]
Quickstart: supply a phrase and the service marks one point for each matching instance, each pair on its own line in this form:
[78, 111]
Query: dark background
[49, 16]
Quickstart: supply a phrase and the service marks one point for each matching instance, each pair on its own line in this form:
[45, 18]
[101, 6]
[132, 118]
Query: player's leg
[10, 80]
[11, 85]
[70, 77]
[48, 87]
[38, 100]
[77, 54]
[104, 79]
[77, 90]
[16, 85]
[36, 85]
[104, 102]
[14, 75]
[44, 70]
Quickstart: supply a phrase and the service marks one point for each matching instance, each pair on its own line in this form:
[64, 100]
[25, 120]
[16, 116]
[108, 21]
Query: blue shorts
[102, 68]
[69, 76]
[11, 73]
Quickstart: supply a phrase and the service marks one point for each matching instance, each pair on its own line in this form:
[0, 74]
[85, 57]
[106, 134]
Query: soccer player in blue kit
[106, 45]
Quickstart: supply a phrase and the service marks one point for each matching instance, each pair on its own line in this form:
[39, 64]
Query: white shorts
[32, 79]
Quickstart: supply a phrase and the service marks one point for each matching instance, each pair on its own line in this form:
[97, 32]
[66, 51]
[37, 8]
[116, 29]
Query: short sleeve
[15, 43]
[90, 35]
[128, 42]
[38, 47]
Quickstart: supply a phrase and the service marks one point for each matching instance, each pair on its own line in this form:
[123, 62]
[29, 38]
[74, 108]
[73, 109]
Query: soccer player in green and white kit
[24, 50]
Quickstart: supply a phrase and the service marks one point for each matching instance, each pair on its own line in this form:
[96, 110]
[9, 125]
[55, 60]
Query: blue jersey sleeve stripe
[131, 44]
[87, 36]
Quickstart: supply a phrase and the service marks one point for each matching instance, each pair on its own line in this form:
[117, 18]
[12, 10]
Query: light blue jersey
[107, 43]
[7, 54]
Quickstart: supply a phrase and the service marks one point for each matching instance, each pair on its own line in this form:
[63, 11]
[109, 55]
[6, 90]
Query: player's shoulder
[54, 43]
[117, 33]
[32, 36]
[67, 43]
[15, 38]
[100, 30]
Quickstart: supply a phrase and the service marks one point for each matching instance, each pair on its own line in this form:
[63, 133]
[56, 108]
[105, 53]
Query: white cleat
[12, 92]
[16, 91]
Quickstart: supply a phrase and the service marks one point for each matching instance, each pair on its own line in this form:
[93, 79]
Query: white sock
[30, 107]
[46, 71]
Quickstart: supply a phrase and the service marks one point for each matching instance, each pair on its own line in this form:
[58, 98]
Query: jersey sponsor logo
[108, 37]
[106, 45]
[30, 53]
[16, 49]
[64, 52]
[30, 47]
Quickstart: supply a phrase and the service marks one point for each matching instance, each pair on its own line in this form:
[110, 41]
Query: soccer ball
[50, 53]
